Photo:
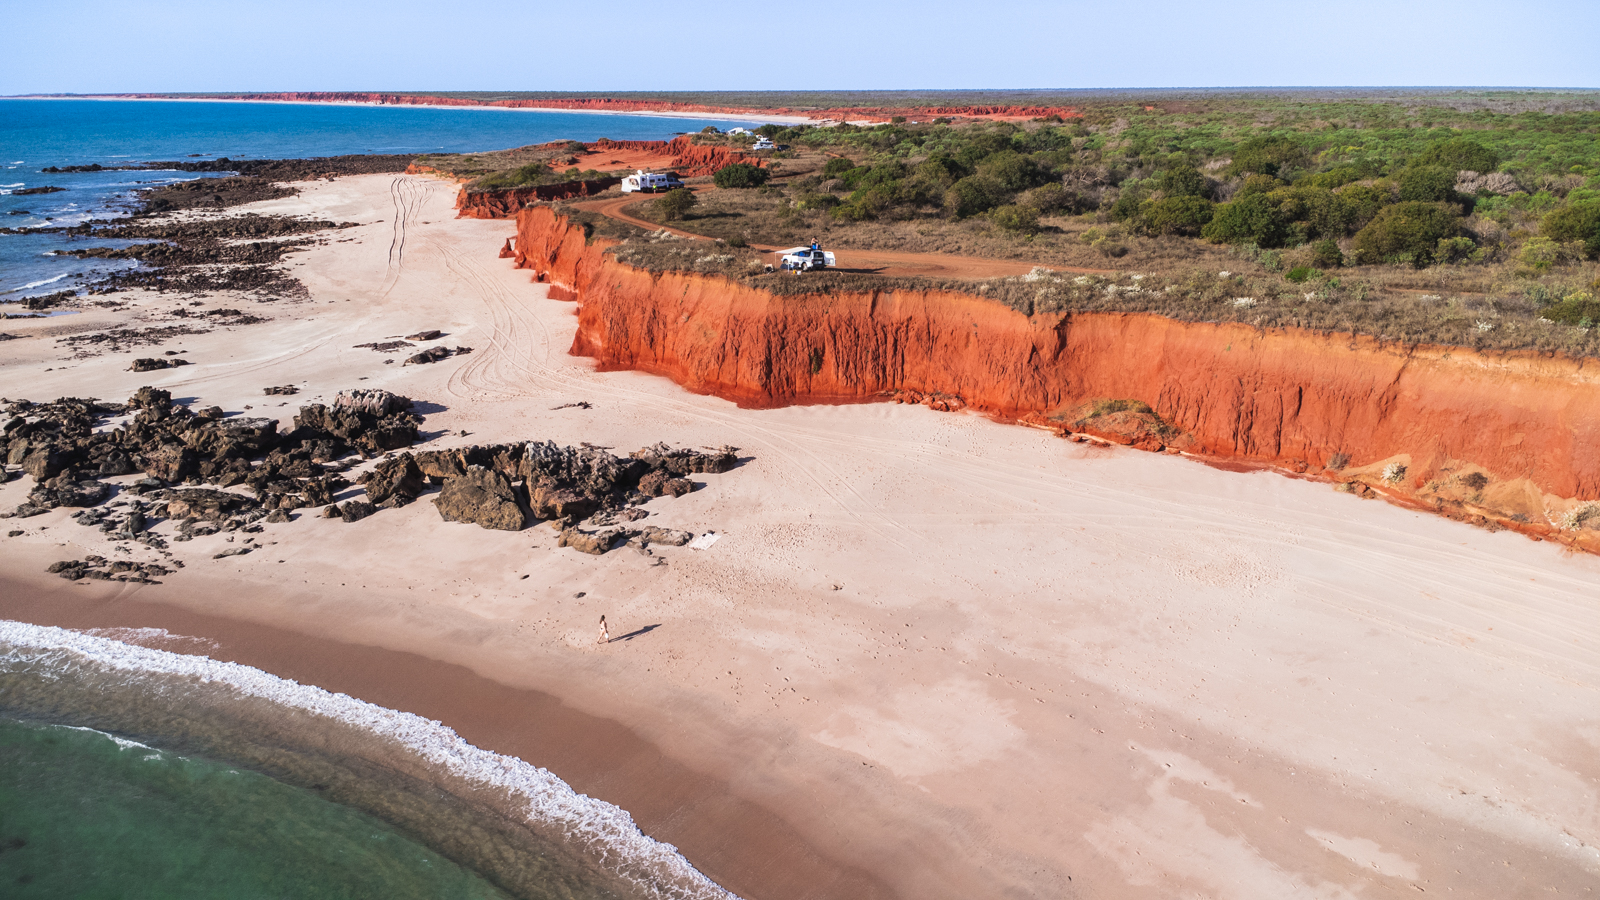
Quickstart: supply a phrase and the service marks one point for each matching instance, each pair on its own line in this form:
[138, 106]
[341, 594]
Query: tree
[1578, 222]
[836, 167]
[1013, 170]
[741, 175]
[1249, 219]
[973, 195]
[1406, 231]
[1266, 156]
[1428, 184]
[675, 204]
[1175, 215]
[1182, 181]
[1460, 155]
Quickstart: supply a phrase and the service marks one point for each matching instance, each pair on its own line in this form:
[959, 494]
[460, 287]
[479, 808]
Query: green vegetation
[741, 175]
[672, 205]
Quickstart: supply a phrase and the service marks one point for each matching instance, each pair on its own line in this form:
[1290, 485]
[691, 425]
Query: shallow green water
[83, 816]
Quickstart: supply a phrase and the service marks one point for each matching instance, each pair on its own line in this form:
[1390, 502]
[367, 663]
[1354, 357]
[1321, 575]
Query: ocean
[36, 134]
[127, 771]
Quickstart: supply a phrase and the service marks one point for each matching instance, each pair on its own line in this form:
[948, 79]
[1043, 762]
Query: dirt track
[890, 263]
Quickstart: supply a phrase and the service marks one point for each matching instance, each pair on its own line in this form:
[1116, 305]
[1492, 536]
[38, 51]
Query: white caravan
[650, 182]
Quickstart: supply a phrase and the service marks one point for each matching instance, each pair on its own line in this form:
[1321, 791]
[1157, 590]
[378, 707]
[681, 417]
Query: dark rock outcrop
[483, 497]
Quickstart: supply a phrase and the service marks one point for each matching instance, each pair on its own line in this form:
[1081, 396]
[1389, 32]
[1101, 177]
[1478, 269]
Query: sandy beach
[930, 656]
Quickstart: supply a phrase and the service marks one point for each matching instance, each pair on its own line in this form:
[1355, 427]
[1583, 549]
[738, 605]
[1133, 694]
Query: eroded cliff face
[505, 204]
[1512, 439]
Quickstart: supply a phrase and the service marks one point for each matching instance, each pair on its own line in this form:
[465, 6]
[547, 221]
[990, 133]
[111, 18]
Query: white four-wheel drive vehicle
[650, 182]
[805, 259]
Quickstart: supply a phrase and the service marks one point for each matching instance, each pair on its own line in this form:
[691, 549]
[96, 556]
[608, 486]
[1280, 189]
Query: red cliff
[505, 204]
[1287, 398]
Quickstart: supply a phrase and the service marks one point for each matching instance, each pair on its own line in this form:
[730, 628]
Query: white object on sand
[704, 541]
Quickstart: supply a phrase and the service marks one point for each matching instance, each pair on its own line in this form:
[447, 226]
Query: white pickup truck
[805, 259]
[650, 182]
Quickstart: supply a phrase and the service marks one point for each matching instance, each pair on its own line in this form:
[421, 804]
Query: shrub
[1406, 231]
[1362, 201]
[942, 170]
[1258, 184]
[1540, 254]
[1428, 184]
[1460, 155]
[1325, 255]
[1016, 219]
[1578, 222]
[818, 201]
[836, 167]
[973, 195]
[1013, 170]
[1049, 198]
[1454, 250]
[674, 204]
[1582, 309]
[1266, 156]
[1252, 219]
[1394, 472]
[741, 175]
[1182, 181]
[1302, 274]
[1185, 215]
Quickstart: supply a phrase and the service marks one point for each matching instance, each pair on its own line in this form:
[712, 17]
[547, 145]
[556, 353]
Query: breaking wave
[601, 831]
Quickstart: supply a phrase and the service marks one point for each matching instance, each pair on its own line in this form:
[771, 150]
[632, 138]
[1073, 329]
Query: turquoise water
[35, 134]
[85, 816]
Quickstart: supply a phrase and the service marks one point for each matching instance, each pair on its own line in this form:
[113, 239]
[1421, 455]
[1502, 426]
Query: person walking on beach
[605, 633]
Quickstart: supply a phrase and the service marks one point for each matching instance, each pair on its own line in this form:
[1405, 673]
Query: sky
[95, 46]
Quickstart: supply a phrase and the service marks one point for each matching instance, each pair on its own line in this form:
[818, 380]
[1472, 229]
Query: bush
[1258, 184]
[837, 167]
[973, 195]
[1581, 309]
[1016, 219]
[1460, 155]
[1185, 215]
[1013, 170]
[1325, 255]
[1182, 181]
[1049, 198]
[1266, 156]
[1540, 254]
[1363, 201]
[1406, 231]
[1578, 222]
[1454, 250]
[1252, 219]
[1427, 184]
[817, 201]
[674, 204]
[1302, 274]
[741, 175]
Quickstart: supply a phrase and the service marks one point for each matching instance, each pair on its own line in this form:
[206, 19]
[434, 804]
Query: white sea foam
[124, 743]
[606, 831]
[33, 284]
[154, 638]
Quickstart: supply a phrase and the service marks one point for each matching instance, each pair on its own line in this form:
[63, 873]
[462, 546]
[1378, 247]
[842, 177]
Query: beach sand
[930, 656]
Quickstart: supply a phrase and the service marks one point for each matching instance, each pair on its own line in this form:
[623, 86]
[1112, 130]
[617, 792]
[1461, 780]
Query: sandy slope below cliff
[969, 659]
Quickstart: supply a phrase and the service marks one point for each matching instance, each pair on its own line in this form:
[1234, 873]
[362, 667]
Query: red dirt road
[889, 263]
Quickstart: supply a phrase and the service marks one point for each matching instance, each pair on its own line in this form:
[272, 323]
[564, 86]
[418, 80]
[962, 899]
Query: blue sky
[401, 45]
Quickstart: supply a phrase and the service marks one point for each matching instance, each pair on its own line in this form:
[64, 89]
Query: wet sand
[932, 655]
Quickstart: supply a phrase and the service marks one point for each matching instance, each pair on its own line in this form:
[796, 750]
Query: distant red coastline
[606, 104]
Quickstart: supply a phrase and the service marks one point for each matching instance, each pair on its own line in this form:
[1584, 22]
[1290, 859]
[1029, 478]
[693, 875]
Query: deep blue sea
[35, 134]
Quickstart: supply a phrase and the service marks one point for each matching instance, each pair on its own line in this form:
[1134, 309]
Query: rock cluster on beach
[507, 486]
[58, 445]
[191, 458]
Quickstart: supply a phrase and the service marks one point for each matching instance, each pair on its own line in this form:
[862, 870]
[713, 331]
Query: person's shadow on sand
[633, 634]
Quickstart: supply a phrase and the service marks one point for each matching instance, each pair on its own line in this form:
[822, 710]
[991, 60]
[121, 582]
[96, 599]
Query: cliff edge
[1502, 440]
